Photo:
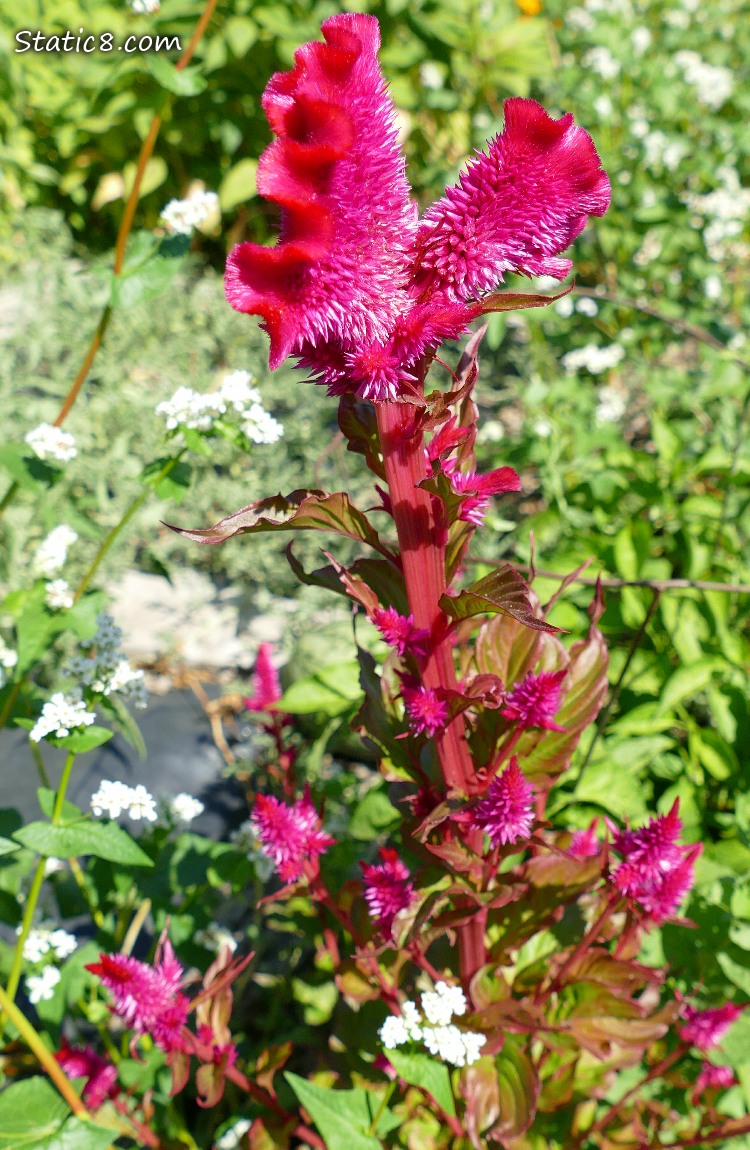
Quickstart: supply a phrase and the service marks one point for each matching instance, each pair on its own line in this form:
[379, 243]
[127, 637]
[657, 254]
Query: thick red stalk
[421, 540]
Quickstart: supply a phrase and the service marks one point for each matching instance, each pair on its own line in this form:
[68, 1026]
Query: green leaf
[84, 740]
[186, 82]
[713, 753]
[30, 1111]
[104, 840]
[46, 799]
[26, 470]
[76, 1134]
[343, 1117]
[329, 692]
[428, 1074]
[238, 184]
[174, 485]
[518, 1091]
[373, 815]
[686, 682]
[503, 591]
[7, 847]
[149, 271]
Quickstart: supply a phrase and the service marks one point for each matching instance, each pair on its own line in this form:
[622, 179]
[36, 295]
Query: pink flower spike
[712, 1077]
[266, 685]
[705, 1029]
[388, 889]
[399, 631]
[425, 710]
[515, 207]
[535, 700]
[648, 853]
[290, 835]
[340, 268]
[661, 897]
[585, 844]
[479, 489]
[100, 1075]
[505, 812]
[148, 998]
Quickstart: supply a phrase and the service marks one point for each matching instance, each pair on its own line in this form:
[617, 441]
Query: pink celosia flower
[388, 889]
[535, 700]
[356, 288]
[290, 835]
[266, 686]
[148, 998]
[706, 1028]
[479, 489]
[712, 1077]
[425, 710]
[100, 1075]
[585, 844]
[656, 869]
[505, 812]
[399, 631]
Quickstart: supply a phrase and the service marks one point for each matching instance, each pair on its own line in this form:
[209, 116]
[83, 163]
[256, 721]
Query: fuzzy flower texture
[358, 288]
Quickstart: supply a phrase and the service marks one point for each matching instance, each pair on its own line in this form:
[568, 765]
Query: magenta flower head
[266, 686]
[356, 288]
[535, 700]
[399, 631]
[290, 835]
[148, 998]
[705, 1029]
[656, 870]
[585, 844]
[712, 1077]
[505, 812]
[426, 712]
[388, 888]
[100, 1075]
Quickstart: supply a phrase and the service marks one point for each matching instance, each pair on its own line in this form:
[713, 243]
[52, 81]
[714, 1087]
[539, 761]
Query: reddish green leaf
[480, 1090]
[503, 591]
[358, 422]
[513, 301]
[518, 1092]
[507, 648]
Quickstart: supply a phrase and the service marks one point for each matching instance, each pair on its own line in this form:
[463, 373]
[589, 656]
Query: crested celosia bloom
[147, 997]
[100, 1075]
[535, 700]
[388, 888]
[712, 1077]
[290, 835]
[266, 685]
[706, 1028]
[505, 812]
[656, 870]
[357, 288]
[425, 710]
[399, 630]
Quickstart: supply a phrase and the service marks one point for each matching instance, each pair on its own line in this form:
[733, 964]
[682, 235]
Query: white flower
[142, 805]
[41, 987]
[675, 18]
[59, 716]
[214, 937]
[640, 38]
[8, 660]
[236, 390]
[50, 442]
[51, 554]
[145, 7]
[580, 19]
[184, 808]
[412, 1020]
[111, 799]
[713, 84]
[181, 216]
[260, 427]
[431, 75]
[442, 1003]
[107, 672]
[611, 407]
[564, 306]
[542, 428]
[712, 287]
[587, 306]
[58, 595]
[603, 106]
[457, 1047]
[53, 866]
[231, 1138]
[601, 61]
[188, 408]
[393, 1032]
[62, 943]
[649, 250]
[593, 358]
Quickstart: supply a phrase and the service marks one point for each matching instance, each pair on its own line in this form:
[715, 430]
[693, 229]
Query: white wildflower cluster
[726, 209]
[713, 84]
[8, 660]
[611, 406]
[434, 1027]
[58, 595]
[41, 987]
[641, 39]
[52, 552]
[593, 358]
[183, 808]
[660, 151]
[236, 397]
[649, 250]
[60, 716]
[580, 19]
[107, 671]
[231, 1139]
[712, 287]
[587, 306]
[114, 799]
[50, 442]
[44, 941]
[145, 7]
[214, 937]
[601, 61]
[181, 216]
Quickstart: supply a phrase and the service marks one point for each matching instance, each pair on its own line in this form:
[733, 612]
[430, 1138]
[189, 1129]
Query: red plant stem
[654, 1072]
[422, 544]
[583, 945]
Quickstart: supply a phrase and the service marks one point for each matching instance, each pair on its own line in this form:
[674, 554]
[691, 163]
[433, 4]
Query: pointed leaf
[513, 301]
[480, 1090]
[428, 1074]
[358, 422]
[343, 1117]
[30, 1110]
[503, 591]
[104, 840]
[518, 1087]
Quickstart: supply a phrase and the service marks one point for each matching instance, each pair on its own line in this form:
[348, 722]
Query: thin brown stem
[654, 1072]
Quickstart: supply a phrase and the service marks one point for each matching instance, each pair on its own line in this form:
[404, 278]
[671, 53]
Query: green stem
[381, 1108]
[9, 496]
[80, 881]
[36, 754]
[60, 796]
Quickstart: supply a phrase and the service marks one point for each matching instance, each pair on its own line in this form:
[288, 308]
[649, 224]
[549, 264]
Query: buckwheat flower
[705, 1029]
[53, 866]
[412, 1020]
[641, 39]
[237, 391]
[41, 987]
[441, 1004]
[62, 943]
[50, 556]
[399, 631]
[713, 84]
[290, 835]
[111, 799]
[388, 889]
[184, 808]
[44, 940]
[454, 1046]
[564, 307]
[181, 216]
[601, 61]
[587, 306]
[59, 716]
[505, 812]
[148, 998]
[36, 945]
[535, 700]
[191, 409]
[426, 712]
[592, 358]
[50, 442]
[393, 1032]
[106, 671]
[100, 1075]
[266, 684]
[712, 1077]
[261, 427]
[142, 805]
[58, 595]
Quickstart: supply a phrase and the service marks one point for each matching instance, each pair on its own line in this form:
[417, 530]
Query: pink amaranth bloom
[399, 631]
[479, 489]
[585, 844]
[148, 998]
[356, 288]
[425, 710]
[100, 1075]
[290, 835]
[266, 686]
[712, 1077]
[535, 700]
[388, 889]
[705, 1029]
[505, 812]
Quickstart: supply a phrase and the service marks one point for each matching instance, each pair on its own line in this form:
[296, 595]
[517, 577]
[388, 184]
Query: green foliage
[34, 1117]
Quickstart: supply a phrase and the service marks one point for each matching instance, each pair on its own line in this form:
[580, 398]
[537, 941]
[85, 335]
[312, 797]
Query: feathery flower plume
[266, 685]
[100, 1075]
[712, 1077]
[479, 489]
[388, 888]
[656, 869]
[290, 835]
[706, 1028]
[399, 631]
[148, 998]
[425, 710]
[585, 844]
[535, 700]
[505, 812]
